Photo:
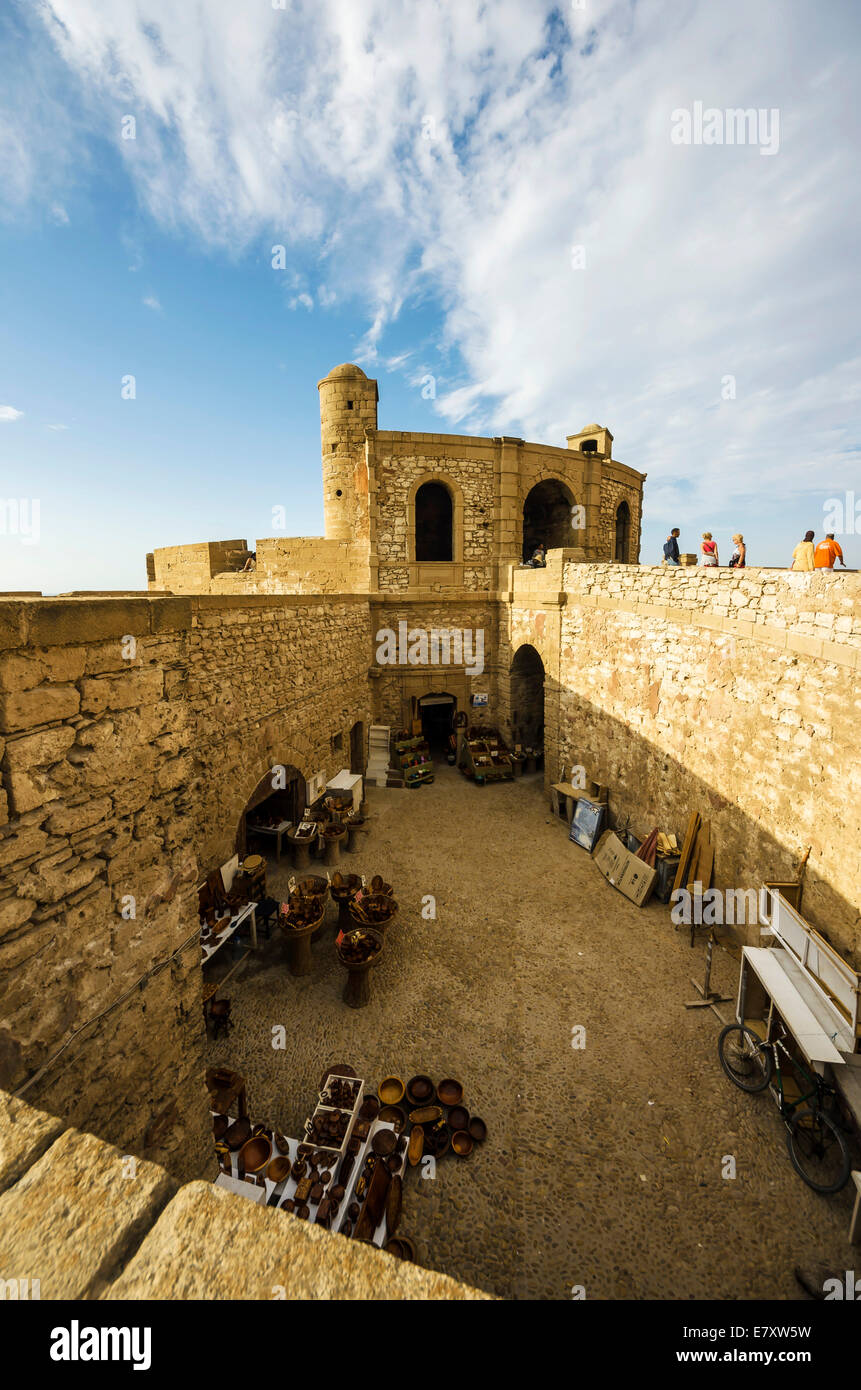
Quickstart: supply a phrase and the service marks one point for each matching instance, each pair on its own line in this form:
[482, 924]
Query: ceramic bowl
[255, 1154]
[383, 1142]
[393, 1115]
[278, 1170]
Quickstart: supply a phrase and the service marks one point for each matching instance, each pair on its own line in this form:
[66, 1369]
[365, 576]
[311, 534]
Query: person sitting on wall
[671, 548]
[539, 557]
[739, 555]
[827, 553]
[708, 550]
[802, 555]
[250, 564]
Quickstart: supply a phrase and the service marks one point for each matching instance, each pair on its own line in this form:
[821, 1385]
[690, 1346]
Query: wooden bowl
[478, 1129]
[420, 1091]
[461, 1142]
[393, 1115]
[458, 1118]
[383, 1142]
[279, 1169]
[449, 1092]
[391, 1090]
[255, 1154]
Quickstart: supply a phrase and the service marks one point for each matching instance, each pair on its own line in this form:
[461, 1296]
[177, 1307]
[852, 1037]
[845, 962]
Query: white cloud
[152, 303]
[458, 152]
[304, 299]
[8, 413]
[58, 427]
[59, 215]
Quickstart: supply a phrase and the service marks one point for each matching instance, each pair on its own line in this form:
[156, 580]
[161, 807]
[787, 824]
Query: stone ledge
[234, 1249]
[25, 1134]
[74, 1217]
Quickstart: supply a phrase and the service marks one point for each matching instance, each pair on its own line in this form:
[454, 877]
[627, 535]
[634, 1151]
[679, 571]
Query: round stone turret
[348, 407]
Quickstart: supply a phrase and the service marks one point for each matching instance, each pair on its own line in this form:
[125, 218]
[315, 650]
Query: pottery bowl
[383, 1142]
[278, 1170]
[478, 1129]
[394, 1115]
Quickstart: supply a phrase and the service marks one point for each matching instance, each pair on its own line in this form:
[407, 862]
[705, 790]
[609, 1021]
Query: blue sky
[430, 168]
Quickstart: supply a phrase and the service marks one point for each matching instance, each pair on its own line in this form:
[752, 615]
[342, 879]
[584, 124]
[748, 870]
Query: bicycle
[817, 1146]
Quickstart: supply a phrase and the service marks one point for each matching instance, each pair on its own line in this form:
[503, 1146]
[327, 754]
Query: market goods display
[360, 946]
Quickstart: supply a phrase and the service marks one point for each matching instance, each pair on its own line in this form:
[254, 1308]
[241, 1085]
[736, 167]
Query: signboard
[587, 823]
[480, 699]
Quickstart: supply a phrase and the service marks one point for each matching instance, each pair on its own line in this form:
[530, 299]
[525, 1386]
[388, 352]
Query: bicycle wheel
[744, 1058]
[818, 1151]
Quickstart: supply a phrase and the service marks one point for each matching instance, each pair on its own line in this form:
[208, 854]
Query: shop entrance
[269, 805]
[437, 712]
[357, 747]
[527, 699]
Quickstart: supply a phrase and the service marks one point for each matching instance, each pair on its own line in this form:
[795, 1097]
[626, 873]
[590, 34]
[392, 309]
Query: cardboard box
[624, 870]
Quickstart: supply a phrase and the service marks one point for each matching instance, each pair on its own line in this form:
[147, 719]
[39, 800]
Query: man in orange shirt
[827, 552]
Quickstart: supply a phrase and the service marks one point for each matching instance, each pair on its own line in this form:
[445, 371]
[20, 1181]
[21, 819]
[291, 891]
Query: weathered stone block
[45, 704]
[137, 687]
[25, 1134]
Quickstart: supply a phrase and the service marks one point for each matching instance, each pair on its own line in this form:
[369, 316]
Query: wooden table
[277, 830]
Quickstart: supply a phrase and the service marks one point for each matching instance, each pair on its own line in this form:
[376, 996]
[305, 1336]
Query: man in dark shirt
[671, 548]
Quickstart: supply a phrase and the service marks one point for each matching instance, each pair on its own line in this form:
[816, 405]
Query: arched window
[623, 533]
[548, 515]
[434, 523]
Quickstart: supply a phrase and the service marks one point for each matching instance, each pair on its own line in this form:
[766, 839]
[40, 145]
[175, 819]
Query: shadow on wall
[649, 787]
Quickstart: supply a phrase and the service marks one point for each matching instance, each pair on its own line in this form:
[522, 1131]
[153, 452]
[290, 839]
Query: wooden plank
[687, 850]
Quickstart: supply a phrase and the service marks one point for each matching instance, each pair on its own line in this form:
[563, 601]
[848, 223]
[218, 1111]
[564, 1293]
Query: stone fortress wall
[134, 733]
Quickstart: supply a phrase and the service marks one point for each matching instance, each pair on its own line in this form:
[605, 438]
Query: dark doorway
[526, 692]
[623, 533]
[434, 523]
[270, 804]
[437, 713]
[357, 747]
[547, 517]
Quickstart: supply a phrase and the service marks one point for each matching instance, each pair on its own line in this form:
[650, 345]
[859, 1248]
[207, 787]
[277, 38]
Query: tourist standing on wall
[802, 555]
[739, 555]
[708, 550]
[827, 552]
[671, 548]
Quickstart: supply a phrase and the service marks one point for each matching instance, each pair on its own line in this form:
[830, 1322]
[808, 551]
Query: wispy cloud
[513, 165]
[59, 215]
[152, 303]
[8, 413]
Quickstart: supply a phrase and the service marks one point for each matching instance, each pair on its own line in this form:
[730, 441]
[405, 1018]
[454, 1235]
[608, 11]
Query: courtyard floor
[602, 1169]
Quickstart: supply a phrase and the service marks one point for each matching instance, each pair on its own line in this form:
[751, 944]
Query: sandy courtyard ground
[602, 1167]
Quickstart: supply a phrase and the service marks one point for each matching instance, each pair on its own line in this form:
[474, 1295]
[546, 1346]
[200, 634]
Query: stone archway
[622, 551]
[547, 516]
[281, 791]
[526, 697]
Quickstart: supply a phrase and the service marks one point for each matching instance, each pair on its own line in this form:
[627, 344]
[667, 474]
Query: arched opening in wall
[436, 711]
[278, 797]
[547, 517]
[434, 523]
[357, 747]
[526, 699]
[622, 552]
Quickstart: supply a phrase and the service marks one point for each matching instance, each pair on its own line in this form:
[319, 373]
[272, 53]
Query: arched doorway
[434, 523]
[547, 517]
[279, 796]
[526, 696]
[622, 553]
[436, 711]
[357, 747]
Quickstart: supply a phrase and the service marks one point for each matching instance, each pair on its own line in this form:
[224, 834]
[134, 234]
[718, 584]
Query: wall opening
[436, 711]
[434, 523]
[547, 517]
[357, 747]
[526, 694]
[270, 805]
[622, 551]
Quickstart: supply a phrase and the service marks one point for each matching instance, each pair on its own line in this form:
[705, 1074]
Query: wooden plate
[427, 1115]
[416, 1145]
[393, 1206]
